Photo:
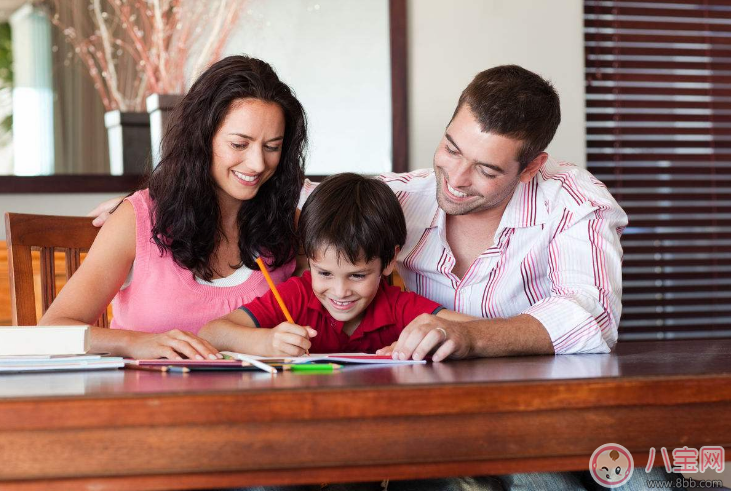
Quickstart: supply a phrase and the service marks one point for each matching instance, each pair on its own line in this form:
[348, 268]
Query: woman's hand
[288, 340]
[173, 345]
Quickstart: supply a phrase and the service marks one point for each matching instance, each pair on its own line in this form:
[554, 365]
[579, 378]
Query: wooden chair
[46, 233]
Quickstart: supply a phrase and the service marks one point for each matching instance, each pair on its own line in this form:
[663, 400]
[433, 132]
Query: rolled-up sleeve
[305, 192]
[582, 312]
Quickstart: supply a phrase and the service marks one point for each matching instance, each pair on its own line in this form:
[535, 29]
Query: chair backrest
[72, 235]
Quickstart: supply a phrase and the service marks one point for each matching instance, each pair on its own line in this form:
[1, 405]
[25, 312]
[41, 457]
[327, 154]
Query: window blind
[658, 110]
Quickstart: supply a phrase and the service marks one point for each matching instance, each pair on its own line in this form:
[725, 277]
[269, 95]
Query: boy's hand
[289, 340]
[102, 211]
[387, 350]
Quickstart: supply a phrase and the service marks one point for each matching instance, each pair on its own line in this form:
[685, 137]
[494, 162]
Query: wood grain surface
[143, 430]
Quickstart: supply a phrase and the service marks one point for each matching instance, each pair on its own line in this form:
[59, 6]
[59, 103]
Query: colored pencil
[184, 362]
[176, 369]
[147, 369]
[274, 290]
[247, 368]
[273, 287]
[253, 361]
[313, 367]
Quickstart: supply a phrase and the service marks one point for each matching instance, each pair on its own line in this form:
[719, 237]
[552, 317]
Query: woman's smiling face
[247, 148]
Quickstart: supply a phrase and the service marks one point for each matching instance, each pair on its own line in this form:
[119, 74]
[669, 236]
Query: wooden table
[127, 429]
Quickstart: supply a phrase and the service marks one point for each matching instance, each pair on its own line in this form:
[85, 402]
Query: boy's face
[344, 288]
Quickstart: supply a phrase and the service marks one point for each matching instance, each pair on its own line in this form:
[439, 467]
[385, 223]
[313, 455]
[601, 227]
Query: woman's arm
[100, 276]
[238, 332]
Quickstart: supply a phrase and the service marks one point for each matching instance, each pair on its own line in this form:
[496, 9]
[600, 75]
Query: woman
[182, 252]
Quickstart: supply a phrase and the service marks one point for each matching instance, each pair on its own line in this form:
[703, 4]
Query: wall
[335, 54]
[450, 42]
[50, 204]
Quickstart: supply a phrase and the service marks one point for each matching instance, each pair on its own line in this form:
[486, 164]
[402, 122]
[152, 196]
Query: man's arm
[475, 338]
[580, 315]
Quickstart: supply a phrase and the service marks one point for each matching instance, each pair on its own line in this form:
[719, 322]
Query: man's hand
[101, 212]
[288, 340]
[173, 345]
[427, 333]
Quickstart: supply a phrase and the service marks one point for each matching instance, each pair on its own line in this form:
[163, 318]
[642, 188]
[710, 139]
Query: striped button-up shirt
[556, 256]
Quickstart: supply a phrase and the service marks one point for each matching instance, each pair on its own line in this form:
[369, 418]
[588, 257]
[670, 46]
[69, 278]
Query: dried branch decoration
[133, 48]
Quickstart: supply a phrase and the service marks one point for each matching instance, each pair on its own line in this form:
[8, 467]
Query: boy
[351, 228]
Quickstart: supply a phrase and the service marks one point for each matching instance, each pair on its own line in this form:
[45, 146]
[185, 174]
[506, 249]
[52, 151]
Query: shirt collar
[527, 207]
[379, 313]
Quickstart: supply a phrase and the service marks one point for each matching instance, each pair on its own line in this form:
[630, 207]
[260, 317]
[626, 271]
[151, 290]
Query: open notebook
[243, 362]
[344, 358]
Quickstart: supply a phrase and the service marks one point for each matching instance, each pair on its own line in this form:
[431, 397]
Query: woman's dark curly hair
[187, 217]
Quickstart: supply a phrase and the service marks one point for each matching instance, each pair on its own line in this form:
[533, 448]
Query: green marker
[313, 367]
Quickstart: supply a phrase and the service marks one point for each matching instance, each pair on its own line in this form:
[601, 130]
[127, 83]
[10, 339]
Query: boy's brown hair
[358, 216]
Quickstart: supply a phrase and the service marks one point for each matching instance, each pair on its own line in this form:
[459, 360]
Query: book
[21, 364]
[44, 340]
[156, 362]
[344, 358]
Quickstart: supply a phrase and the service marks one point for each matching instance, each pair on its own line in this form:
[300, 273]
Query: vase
[129, 142]
[160, 107]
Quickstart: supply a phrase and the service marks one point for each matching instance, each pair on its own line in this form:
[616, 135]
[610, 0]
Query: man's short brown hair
[511, 101]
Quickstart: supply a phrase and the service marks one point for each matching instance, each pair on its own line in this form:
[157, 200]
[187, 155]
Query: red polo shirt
[390, 311]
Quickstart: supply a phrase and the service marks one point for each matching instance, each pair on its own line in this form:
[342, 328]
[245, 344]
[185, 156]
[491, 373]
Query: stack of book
[43, 349]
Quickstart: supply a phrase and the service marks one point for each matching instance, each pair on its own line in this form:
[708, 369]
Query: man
[527, 244]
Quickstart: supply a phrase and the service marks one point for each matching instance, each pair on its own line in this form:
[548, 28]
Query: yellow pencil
[132, 366]
[273, 287]
[274, 290]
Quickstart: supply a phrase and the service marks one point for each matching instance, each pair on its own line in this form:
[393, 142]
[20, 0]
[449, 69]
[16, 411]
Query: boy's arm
[233, 332]
[237, 332]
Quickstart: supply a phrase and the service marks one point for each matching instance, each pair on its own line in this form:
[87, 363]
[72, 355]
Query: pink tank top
[163, 296]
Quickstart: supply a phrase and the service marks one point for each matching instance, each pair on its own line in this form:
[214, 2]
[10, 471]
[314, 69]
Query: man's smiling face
[475, 171]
